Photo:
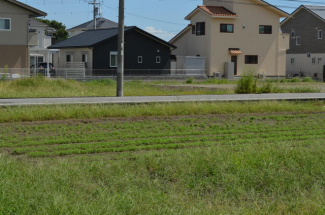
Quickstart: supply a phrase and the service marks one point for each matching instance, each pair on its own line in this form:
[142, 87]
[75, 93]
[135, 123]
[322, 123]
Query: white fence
[82, 73]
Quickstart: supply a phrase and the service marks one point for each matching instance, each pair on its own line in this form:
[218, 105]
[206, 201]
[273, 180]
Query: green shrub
[295, 79]
[285, 80]
[266, 88]
[190, 80]
[247, 84]
[307, 79]
[30, 82]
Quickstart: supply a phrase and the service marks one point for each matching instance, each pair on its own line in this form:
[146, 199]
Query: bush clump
[36, 81]
[190, 80]
[247, 84]
[307, 79]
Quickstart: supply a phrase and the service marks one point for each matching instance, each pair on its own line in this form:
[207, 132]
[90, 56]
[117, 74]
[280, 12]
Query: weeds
[307, 79]
[247, 84]
[223, 164]
[59, 112]
[190, 80]
[43, 87]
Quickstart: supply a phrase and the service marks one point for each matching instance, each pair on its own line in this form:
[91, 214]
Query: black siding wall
[136, 44]
[306, 25]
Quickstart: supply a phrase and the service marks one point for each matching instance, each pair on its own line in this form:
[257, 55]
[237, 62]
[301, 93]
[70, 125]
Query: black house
[144, 53]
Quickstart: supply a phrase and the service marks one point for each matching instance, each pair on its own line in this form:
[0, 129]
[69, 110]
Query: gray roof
[34, 23]
[101, 23]
[317, 9]
[93, 37]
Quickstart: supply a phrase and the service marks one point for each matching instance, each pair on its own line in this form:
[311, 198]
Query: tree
[61, 32]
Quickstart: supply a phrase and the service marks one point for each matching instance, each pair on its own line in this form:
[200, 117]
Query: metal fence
[81, 73]
[318, 76]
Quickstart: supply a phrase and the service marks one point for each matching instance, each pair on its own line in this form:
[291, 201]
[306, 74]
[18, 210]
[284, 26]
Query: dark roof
[317, 10]
[36, 12]
[93, 37]
[100, 24]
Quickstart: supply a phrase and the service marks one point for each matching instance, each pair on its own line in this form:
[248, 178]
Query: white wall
[77, 56]
[304, 63]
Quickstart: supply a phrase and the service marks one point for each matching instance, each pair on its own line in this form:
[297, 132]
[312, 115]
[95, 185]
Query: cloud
[165, 35]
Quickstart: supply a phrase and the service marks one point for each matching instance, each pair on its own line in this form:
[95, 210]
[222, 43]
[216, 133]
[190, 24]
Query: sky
[163, 18]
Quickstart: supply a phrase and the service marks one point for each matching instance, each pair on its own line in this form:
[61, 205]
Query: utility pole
[120, 57]
[95, 13]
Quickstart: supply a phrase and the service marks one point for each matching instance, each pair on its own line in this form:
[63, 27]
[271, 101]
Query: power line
[148, 18]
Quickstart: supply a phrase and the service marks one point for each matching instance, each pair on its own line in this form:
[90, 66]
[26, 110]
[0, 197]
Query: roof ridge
[94, 37]
[222, 10]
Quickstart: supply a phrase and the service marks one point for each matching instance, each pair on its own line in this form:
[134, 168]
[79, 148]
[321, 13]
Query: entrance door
[324, 73]
[234, 60]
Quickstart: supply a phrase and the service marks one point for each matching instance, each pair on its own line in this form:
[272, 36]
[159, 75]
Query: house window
[227, 28]
[320, 34]
[158, 59]
[139, 59]
[293, 34]
[200, 28]
[113, 59]
[69, 58]
[313, 60]
[320, 60]
[308, 55]
[298, 41]
[292, 61]
[265, 29]
[251, 59]
[5, 24]
[193, 29]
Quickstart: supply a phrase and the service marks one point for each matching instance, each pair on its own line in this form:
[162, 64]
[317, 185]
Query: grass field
[213, 158]
[41, 87]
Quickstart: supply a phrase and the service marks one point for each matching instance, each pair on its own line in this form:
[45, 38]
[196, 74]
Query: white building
[42, 38]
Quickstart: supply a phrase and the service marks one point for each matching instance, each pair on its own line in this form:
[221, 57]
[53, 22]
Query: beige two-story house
[245, 32]
[14, 33]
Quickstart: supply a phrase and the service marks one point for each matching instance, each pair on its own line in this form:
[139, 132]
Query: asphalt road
[153, 99]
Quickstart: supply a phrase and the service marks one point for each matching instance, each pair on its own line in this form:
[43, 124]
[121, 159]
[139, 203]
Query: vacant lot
[261, 158]
[41, 87]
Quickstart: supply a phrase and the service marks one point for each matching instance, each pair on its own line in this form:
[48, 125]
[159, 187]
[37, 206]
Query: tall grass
[273, 178]
[60, 112]
[43, 87]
